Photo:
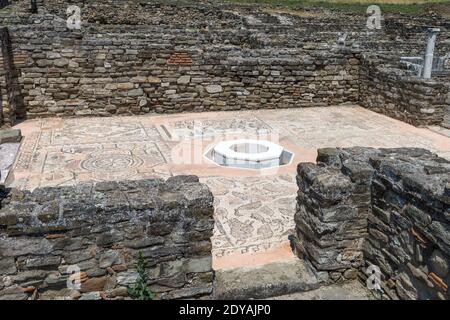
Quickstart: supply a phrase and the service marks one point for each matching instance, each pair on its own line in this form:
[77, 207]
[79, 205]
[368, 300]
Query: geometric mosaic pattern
[253, 211]
[252, 215]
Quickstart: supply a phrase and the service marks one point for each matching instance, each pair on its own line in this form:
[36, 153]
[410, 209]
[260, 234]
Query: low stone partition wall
[400, 94]
[389, 208]
[98, 230]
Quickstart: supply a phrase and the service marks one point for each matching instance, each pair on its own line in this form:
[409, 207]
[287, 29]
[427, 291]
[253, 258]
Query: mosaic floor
[254, 208]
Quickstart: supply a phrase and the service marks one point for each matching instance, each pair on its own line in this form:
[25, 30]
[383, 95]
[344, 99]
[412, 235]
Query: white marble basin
[247, 153]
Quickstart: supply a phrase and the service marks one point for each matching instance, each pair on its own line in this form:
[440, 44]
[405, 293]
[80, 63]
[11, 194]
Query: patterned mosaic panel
[73, 150]
[189, 129]
[252, 214]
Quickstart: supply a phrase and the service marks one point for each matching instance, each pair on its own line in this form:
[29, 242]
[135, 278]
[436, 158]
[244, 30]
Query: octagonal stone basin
[248, 153]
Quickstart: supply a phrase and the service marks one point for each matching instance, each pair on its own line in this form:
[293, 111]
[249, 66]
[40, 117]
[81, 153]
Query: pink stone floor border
[254, 209]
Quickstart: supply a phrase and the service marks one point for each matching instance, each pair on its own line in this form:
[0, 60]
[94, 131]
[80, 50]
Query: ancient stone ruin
[222, 151]
[386, 207]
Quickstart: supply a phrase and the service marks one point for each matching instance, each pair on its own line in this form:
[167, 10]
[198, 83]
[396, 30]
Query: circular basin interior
[248, 153]
[249, 148]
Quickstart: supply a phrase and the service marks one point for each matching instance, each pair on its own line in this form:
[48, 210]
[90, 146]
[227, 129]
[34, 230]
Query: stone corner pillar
[333, 206]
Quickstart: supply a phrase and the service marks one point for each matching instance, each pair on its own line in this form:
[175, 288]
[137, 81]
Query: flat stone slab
[8, 152]
[10, 136]
[265, 281]
[353, 290]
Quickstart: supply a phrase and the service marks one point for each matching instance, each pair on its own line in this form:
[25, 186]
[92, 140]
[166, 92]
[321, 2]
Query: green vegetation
[406, 6]
[140, 290]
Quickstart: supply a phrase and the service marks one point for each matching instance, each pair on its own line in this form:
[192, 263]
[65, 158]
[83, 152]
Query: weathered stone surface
[100, 236]
[146, 242]
[32, 276]
[184, 80]
[42, 262]
[154, 79]
[405, 288]
[349, 290]
[78, 257]
[351, 273]
[265, 281]
[56, 280]
[110, 258]
[94, 284]
[399, 225]
[214, 89]
[11, 247]
[7, 265]
[127, 278]
[91, 296]
[439, 263]
[199, 265]
[186, 293]
[63, 294]
[13, 293]
[10, 136]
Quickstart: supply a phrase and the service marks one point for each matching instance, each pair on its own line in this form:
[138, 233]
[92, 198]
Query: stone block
[214, 89]
[183, 80]
[439, 263]
[10, 136]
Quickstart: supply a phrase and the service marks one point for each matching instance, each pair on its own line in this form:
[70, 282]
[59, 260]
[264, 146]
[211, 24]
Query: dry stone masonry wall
[100, 228]
[385, 207]
[158, 71]
[10, 89]
[333, 206]
[400, 94]
[134, 57]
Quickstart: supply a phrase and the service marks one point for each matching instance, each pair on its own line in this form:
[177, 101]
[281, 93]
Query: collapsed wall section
[99, 229]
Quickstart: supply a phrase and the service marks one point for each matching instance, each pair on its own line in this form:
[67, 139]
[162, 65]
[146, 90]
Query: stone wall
[400, 94]
[409, 225]
[10, 89]
[133, 57]
[100, 228]
[386, 207]
[105, 71]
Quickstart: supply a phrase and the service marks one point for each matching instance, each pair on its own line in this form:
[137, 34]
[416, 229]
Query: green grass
[406, 6]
